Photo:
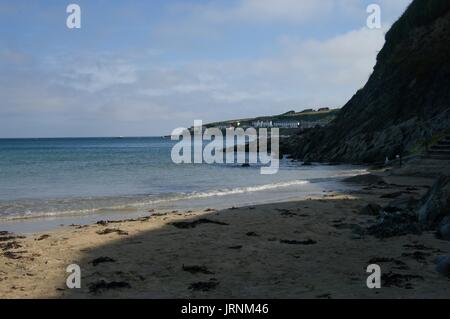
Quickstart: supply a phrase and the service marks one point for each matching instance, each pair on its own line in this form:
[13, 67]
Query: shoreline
[277, 192]
[309, 248]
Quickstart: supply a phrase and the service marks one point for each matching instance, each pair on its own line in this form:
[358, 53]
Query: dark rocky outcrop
[443, 265]
[402, 204]
[444, 229]
[395, 224]
[435, 205]
[407, 215]
[405, 102]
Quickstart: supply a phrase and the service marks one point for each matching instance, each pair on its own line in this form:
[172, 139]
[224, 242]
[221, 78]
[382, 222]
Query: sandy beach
[313, 248]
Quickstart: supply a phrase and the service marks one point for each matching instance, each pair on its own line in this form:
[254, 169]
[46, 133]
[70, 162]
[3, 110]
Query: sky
[146, 67]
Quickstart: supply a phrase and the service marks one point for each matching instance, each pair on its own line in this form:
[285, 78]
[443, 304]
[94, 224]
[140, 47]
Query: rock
[45, 236]
[444, 229]
[436, 203]
[371, 209]
[6, 236]
[443, 265]
[299, 242]
[195, 223]
[10, 245]
[245, 165]
[402, 204]
[204, 286]
[401, 106]
[112, 230]
[99, 286]
[102, 260]
[366, 179]
[252, 234]
[395, 224]
[197, 270]
[392, 195]
[12, 255]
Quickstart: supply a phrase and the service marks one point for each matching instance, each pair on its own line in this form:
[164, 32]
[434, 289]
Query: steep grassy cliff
[405, 102]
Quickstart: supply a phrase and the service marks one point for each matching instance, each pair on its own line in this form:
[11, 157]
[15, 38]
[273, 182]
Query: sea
[51, 182]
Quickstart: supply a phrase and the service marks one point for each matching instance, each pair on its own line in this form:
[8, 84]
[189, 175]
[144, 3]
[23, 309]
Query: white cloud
[292, 10]
[195, 15]
[346, 60]
[143, 93]
[105, 88]
[99, 75]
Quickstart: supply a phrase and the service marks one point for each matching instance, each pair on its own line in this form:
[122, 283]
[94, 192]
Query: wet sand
[311, 248]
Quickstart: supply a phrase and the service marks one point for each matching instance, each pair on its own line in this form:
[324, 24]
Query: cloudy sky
[145, 67]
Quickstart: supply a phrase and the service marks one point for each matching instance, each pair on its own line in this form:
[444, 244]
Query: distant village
[306, 119]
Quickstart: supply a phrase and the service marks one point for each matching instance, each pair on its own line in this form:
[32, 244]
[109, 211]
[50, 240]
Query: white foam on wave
[145, 202]
[242, 190]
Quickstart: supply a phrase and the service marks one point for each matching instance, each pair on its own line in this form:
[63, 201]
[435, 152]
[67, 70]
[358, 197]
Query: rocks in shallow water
[443, 265]
[395, 224]
[367, 179]
[371, 210]
[436, 203]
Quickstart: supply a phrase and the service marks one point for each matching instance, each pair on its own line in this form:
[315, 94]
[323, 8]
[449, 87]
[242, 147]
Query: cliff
[404, 104]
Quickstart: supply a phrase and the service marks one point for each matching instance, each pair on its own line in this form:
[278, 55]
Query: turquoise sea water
[82, 176]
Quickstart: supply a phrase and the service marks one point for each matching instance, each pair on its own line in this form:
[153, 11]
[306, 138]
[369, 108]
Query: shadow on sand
[305, 249]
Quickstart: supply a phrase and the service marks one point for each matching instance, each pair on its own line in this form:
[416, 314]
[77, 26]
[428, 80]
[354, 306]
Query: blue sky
[145, 67]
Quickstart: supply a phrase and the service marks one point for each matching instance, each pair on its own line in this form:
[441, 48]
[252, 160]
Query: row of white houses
[288, 124]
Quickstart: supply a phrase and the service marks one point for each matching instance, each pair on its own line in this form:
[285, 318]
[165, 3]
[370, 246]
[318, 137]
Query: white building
[262, 124]
[287, 124]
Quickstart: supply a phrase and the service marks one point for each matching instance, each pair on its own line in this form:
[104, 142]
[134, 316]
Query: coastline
[140, 206]
[302, 249]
